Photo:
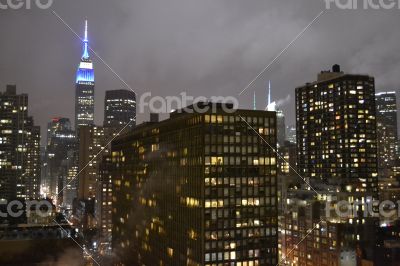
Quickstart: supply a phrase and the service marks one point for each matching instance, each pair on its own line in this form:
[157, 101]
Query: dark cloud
[202, 47]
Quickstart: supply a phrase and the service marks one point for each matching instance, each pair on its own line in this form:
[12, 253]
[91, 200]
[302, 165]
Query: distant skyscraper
[287, 163]
[61, 141]
[93, 142]
[92, 139]
[386, 118]
[33, 160]
[291, 134]
[104, 202]
[68, 191]
[205, 196]
[336, 131]
[280, 127]
[59, 127]
[84, 94]
[280, 118]
[120, 109]
[19, 148]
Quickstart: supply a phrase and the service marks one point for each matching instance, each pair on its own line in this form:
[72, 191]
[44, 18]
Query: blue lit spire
[85, 43]
[85, 73]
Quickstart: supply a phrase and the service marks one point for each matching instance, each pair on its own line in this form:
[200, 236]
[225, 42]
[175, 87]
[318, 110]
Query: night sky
[201, 47]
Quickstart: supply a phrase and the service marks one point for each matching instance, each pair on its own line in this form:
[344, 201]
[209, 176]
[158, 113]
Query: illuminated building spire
[84, 93]
[269, 93]
[85, 42]
[271, 106]
[254, 101]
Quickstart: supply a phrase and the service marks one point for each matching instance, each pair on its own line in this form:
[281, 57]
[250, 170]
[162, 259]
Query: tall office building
[287, 178]
[197, 189]
[68, 188]
[336, 131]
[19, 148]
[119, 113]
[104, 204]
[120, 109]
[33, 161]
[93, 144]
[386, 121]
[92, 141]
[61, 140]
[84, 93]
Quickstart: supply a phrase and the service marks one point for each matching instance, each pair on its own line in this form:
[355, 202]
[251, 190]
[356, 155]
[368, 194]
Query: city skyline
[121, 44]
[200, 133]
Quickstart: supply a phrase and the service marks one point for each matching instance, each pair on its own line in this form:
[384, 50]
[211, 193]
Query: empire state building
[84, 94]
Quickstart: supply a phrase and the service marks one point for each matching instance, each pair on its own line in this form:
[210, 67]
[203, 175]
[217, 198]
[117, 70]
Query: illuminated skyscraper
[291, 134]
[120, 109]
[197, 189]
[386, 121]
[61, 141]
[337, 154]
[336, 131]
[32, 171]
[84, 94]
[19, 148]
[93, 142]
[104, 203]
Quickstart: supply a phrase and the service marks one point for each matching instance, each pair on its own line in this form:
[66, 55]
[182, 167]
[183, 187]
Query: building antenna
[269, 93]
[254, 101]
[85, 42]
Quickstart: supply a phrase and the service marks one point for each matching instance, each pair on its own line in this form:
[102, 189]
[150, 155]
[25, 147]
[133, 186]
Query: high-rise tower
[19, 148]
[120, 109]
[228, 203]
[84, 94]
[386, 123]
[336, 131]
[61, 141]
